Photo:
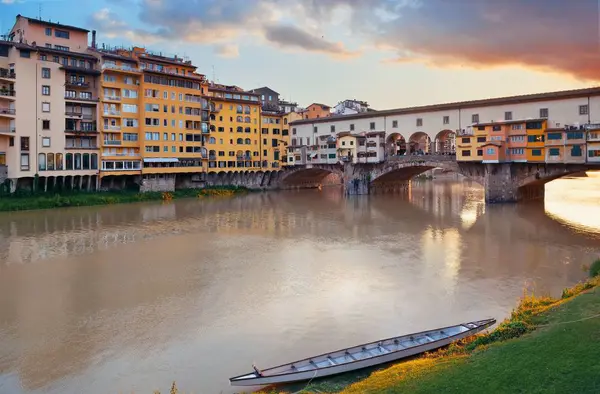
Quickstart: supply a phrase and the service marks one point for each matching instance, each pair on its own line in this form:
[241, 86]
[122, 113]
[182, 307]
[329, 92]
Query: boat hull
[256, 380]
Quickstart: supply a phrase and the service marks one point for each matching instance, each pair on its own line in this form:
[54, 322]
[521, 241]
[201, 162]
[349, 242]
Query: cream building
[48, 106]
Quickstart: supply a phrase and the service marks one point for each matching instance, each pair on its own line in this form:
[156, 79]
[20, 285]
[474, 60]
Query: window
[26, 54]
[480, 139]
[315, 129]
[372, 126]
[508, 115]
[543, 112]
[25, 144]
[45, 125]
[352, 127]
[446, 120]
[536, 152]
[42, 162]
[517, 127]
[165, 136]
[583, 110]
[479, 152]
[61, 48]
[576, 150]
[49, 31]
[490, 151]
[554, 152]
[594, 153]
[475, 118]
[24, 161]
[575, 135]
[60, 33]
[533, 125]
[518, 138]
[535, 138]
[165, 148]
[466, 153]
[131, 108]
[517, 151]
[419, 122]
[45, 72]
[496, 128]
[554, 136]
[395, 124]
[332, 128]
[46, 90]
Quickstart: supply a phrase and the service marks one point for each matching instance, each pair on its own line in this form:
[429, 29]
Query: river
[129, 298]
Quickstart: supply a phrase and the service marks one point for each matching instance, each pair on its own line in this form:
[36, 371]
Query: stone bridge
[503, 182]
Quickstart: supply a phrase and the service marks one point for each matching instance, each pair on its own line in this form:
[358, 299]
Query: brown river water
[128, 298]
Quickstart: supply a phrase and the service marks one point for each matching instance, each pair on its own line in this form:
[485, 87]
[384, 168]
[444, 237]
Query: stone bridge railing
[419, 158]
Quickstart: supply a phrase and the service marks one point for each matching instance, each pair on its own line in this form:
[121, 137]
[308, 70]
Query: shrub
[595, 268]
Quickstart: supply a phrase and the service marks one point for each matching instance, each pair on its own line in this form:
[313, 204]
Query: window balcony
[5, 73]
[111, 128]
[80, 130]
[112, 113]
[112, 98]
[8, 130]
[80, 146]
[112, 142]
[128, 69]
[7, 93]
[77, 84]
[7, 111]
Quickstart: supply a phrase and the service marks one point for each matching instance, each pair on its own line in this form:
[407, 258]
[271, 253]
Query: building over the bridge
[516, 128]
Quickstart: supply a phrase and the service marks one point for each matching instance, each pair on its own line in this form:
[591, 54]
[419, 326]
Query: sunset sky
[391, 53]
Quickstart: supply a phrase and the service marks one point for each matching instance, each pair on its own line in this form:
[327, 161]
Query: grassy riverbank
[546, 345]
[79, 199]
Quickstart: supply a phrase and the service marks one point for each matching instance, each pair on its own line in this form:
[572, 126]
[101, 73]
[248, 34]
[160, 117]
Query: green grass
[24, 202]
[595, 268]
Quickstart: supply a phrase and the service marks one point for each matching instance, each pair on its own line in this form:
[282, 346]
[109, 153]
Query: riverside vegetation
[25, 200]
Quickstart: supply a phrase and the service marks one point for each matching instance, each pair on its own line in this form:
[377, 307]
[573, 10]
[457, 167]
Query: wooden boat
[361, 356]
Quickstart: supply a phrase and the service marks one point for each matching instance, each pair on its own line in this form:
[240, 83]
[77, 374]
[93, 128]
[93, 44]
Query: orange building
[154, 118]
[316, 110]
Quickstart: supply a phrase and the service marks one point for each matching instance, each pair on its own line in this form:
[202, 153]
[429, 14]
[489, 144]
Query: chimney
[94, 39]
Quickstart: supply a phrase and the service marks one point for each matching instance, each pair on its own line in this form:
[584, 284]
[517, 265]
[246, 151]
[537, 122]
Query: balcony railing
[121, 68]
[7, 111]
[593, 137]
[6, 73]
[112, 98]
[79, 146]
[112, 128]
[80, 130]
[113, 113]
[120, 154]
[78, 84]
[80, 98]
[112, 142]
[7, 93]
[8, 130]
[212, 157]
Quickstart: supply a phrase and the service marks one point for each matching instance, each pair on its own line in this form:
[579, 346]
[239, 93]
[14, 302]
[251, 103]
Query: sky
[390, 53]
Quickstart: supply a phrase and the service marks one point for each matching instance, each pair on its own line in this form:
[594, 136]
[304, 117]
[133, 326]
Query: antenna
[40, 10]
[213, 70]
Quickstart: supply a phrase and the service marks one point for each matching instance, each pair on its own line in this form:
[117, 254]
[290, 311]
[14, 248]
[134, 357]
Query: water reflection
[109, 299]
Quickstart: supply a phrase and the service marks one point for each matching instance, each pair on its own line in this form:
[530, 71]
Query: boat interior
[369, 350]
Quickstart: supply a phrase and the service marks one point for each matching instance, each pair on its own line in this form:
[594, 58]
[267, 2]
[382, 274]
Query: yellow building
[274, 144]
[534, 150]
[234, 143]
[154, 116]
[466, 146]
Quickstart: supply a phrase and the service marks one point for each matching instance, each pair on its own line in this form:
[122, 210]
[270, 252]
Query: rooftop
[53, 24]
[558, 95]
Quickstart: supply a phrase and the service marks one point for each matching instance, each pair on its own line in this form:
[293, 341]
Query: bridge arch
[445, 142]
[312, 176]
[419, 143]
[404, 170]
[396, 145]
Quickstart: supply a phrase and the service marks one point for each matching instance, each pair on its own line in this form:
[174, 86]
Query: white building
[350, 107]
[432, 128]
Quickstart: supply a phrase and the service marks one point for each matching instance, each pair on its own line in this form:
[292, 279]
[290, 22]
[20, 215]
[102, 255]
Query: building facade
[509, 128]
[316, 111]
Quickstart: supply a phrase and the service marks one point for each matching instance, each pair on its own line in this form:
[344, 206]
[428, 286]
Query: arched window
[69, 161]
[212, 140]
[247, 109]
[86, 161]
[212, 155]
[239, 109]
[204, 127]
[240, 140]
[239, 119]
[239, 154]
[50, 162]
[247, 119]
[213, 117]
[248, 142]
[248, 154]
[265, 163]
[59, 162]
[247, 130]
[77, 161]
[94, 161]
[42, 162]
[240, 129]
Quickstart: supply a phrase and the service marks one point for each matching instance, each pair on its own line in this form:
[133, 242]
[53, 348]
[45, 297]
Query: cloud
[227, 50]
[293, 37]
